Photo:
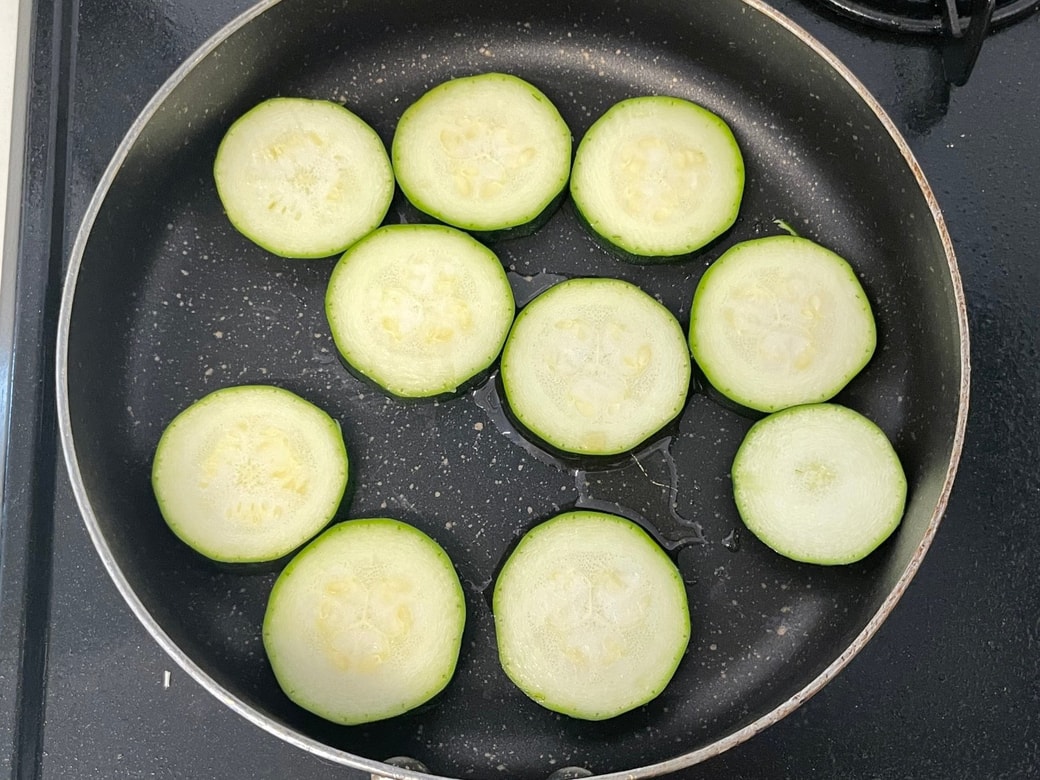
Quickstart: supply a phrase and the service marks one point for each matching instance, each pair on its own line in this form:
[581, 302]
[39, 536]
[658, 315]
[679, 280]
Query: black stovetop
[950, 686]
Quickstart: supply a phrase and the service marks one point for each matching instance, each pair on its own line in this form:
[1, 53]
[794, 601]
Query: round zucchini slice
[366, 622]
[303, 178]
[595, 366]
[819, 483]
[484, 153]
[780, 321]
[591, 615]
[658, 177]
[249, 473]
[419, 309]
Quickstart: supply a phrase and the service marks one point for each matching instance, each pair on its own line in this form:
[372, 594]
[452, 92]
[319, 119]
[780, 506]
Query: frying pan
[165, 302]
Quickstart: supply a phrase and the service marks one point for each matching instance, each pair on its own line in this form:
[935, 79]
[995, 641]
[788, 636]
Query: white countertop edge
[8, 45]
[14, 66]
[15, 26]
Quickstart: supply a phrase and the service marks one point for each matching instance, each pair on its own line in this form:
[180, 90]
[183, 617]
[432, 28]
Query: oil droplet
[527, 287]
[732, 540]
[686, 562]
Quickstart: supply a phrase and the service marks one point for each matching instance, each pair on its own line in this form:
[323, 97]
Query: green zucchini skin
[591, 615]
[656, 178]
[488, 154]
[247, 474]
[819, 484]
[421, 311]
[595, 366]
[366, 622]
[525, 229]
[633, 258]
[303, 178]
[780, 321]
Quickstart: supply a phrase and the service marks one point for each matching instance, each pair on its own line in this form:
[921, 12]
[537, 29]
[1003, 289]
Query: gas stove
[963, 26]
[949, 686]
[937, 17]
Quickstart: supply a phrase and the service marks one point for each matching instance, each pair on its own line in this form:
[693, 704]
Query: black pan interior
[171, 303]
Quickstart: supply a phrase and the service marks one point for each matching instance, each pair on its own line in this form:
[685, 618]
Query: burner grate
[928, 17]
[962, 25]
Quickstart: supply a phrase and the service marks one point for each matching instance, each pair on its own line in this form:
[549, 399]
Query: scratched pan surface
[166, 302]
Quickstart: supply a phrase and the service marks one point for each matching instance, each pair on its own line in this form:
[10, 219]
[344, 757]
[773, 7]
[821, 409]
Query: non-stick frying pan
[165, 302]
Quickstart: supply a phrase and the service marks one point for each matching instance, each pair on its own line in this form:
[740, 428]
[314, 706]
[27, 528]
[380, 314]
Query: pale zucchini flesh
[303, 178]
[780, 321]
[366, 622]
[484, 153]
[249, 473]
[419, 309]
[658, 177]
[819, 483]
[595, 366]
[591, 615]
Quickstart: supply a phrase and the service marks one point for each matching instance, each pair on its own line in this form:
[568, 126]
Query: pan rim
[380, 769]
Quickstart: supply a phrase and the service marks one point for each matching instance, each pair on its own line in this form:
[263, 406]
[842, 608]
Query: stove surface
[950, 686]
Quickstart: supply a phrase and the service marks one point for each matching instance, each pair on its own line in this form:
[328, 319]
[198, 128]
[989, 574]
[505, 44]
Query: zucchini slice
[658, 177]
[595, 366]
[249, 473]
[780, 321]
[419, 309]
[366, 622]
[303, 178]
[484, 153]
[591, 615]
[819, 483]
